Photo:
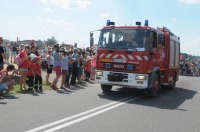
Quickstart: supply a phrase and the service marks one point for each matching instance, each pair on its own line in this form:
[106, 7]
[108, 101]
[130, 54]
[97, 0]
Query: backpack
[18, 60]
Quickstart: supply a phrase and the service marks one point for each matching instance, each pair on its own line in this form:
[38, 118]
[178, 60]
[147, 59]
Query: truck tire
[106, 88]
[173, 85]
[152, 93]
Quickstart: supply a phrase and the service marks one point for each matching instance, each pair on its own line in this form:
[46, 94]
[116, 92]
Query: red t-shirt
[88, 66]
[4, 71]
[22, 55]
[31, 66]
[38, 68]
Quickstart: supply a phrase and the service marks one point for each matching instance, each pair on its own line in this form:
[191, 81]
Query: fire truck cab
[138, 56]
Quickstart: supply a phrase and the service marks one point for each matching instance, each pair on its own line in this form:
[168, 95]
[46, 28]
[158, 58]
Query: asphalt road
[87, 109]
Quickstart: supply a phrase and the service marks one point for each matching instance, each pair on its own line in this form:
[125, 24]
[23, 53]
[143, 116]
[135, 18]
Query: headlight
[99, 73]
[141, 77]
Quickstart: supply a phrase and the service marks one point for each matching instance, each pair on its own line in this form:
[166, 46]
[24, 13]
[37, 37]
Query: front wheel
[106, 88]
[152, 93]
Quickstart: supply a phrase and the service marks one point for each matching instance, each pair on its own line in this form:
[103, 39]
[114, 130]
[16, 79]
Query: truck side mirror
[152, 51]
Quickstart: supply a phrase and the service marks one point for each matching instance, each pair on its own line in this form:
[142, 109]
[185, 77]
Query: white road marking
[78, 115]
[89, 116]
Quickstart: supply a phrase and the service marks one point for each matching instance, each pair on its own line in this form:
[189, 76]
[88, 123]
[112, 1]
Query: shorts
[80, 72]
[49, 70]
[58, 70]
[93, 69]
[3, 86]
[23, 69]
[7, 55]
[65, 72]
[14, 53]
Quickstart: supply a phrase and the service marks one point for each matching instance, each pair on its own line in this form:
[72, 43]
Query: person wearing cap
[2, 54]
[38, 74]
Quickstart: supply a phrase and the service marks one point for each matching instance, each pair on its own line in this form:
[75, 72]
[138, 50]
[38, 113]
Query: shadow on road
[3, 103]
[166, 99]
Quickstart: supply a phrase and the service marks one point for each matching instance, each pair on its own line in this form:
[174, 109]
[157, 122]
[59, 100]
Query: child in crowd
[38, 74]
[6, 81]
[64, 69]
[87, 68]
[31, 75]
[93, 63]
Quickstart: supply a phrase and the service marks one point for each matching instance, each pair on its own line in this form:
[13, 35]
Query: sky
[70, 21]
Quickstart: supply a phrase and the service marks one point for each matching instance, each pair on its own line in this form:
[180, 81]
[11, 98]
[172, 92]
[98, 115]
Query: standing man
[2, 54]
[13, 52]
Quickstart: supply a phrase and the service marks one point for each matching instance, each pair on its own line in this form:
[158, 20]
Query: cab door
[154, 51]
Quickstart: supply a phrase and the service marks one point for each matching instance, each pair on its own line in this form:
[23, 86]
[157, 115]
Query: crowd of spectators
[74, 65]
[189, 67]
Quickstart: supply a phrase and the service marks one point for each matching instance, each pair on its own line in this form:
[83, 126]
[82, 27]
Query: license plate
[120, 60]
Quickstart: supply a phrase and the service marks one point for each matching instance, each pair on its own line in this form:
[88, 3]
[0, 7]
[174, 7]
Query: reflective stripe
[138, 57]
[115, 56]
[146, 58]
[101, 55]
[123, 57]
[108, 56]
[130, 57]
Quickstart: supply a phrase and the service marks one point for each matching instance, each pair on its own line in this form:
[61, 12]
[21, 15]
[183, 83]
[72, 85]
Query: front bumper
[121, 79]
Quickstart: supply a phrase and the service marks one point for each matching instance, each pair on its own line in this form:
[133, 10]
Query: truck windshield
[127, 39]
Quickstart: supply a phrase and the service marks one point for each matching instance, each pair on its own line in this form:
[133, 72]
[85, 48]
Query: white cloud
[174, 19]
[104, 15]
[68, 4]
[47, 10]
[189, 1]
[58, 22]
[191, 46]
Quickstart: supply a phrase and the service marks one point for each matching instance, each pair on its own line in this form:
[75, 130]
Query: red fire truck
[138, 56]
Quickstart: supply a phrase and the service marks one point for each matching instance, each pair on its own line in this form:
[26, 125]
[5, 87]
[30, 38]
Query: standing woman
[50, 61]
[23, 68]
[57, 66]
